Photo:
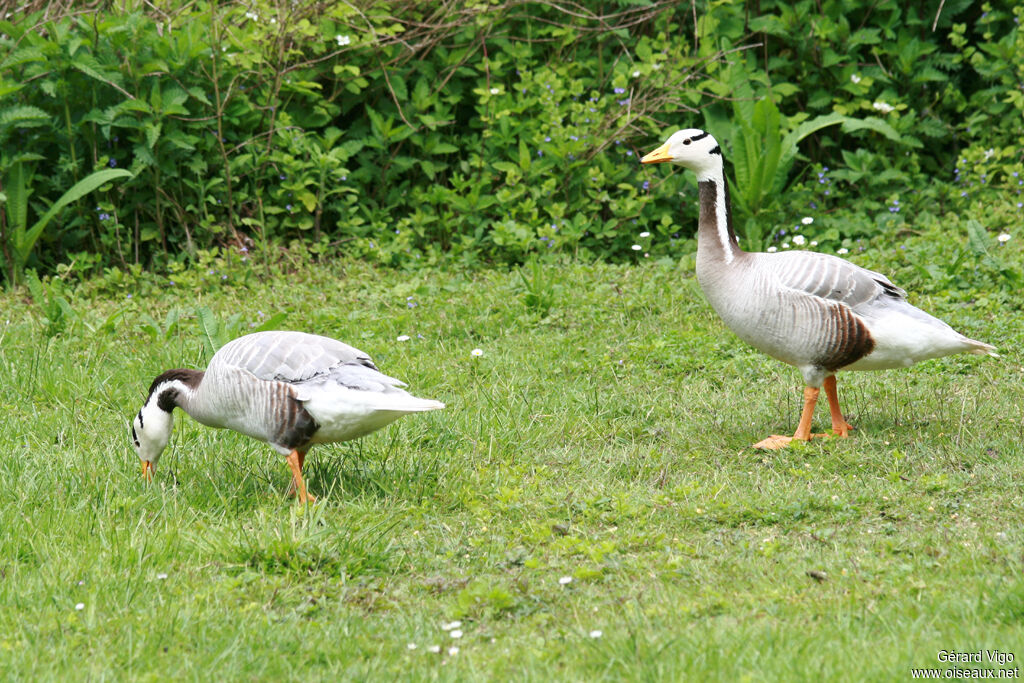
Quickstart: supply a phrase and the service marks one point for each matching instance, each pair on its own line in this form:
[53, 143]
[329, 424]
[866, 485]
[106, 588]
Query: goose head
[694, 149]
[152, 425]
[151, 430]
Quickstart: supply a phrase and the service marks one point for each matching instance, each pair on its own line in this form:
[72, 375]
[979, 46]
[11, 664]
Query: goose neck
[715, 235]
[177, 388]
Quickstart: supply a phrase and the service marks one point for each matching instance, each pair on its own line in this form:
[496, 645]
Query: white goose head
[151, 427]
[694, 149]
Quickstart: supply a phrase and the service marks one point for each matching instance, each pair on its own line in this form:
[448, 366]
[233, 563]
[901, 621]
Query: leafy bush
[397, 133]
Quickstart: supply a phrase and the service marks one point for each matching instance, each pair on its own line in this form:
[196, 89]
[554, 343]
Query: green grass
[607, 442]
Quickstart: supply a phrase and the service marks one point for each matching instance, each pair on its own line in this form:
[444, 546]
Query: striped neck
[174, 388]
[715, 222]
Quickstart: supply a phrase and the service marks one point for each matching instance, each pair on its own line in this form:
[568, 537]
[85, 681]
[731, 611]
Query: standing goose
[290, 389]
[815, 311]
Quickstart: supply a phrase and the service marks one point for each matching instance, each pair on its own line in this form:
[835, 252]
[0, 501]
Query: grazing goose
[815, 311]
[290, 389]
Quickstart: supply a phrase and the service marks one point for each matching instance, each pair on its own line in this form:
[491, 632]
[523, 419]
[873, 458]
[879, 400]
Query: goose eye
[686, 141]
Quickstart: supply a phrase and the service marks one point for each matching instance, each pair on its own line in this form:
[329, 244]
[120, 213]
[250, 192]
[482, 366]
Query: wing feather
[832, 278]
[289, 356]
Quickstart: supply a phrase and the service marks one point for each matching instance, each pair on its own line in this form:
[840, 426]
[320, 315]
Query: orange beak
[147, 470]
[658, 156]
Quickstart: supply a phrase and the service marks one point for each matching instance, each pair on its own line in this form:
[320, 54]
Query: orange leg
[803, 430]
[295, 460]
[839, 424]
[147, 470]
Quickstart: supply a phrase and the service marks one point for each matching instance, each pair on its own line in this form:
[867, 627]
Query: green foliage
[540, 287]
[20, 237]
[51, 299]
[394, 134]
[215, 332]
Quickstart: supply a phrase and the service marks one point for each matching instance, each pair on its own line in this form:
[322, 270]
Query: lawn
[587, 506]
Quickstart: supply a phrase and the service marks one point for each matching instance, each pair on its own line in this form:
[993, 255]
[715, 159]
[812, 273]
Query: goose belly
[344, 413]
[349, 422]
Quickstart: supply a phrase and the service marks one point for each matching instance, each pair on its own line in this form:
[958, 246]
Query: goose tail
[982, 349]
[407, 403]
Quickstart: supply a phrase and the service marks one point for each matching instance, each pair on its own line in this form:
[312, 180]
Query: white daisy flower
[80, 606]
[842, 250]
[342, 40]
[411, 646]
[855, 78]
[883, 107]
[807, 220]
[1004, 238]
[799, 240]
[772, 250]
[476, 353]
[565, 580]
[636, 247]
[452, 651]
[402, 337]
[596, 633]
[451, 625]
[645, 234]
[495, 91]
[434, 649]
[456, 633]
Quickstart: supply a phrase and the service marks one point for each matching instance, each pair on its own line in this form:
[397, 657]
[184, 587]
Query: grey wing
[832, 278]
[289, 356]
[351, 375]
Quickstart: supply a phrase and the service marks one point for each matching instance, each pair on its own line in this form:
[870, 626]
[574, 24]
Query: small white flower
[80, 606]
[855, 78]
[883, 107]
[785, 245]
[410, 646]
[814, 243]
[252, 15]
[772, 250]
[636, 247]
[989, 153]
[434, 649]
[636, 74]
[842, 250]
[565, 580]
[402, 337]
[1004, 238]
[807, 220]
[456, 633]
[495, 91]
[448, 626]
[161, 576]
[452, 651]
[596, 633]
[342, 40]
[645, 234]
[476, 353]
[799, 240]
